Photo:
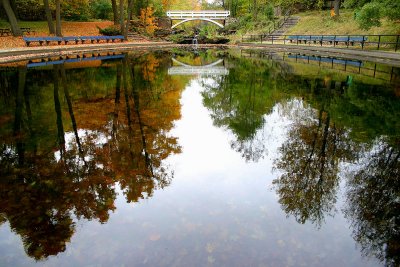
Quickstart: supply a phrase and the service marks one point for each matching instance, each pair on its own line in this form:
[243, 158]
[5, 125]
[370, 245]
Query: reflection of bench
[4, 31]
[328, 60]
[76, 39]
[72, 60]
[26, 30]
[348, 40]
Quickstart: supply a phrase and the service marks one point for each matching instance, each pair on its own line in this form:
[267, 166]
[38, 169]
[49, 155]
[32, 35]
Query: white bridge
[206, 15]
[207, 70]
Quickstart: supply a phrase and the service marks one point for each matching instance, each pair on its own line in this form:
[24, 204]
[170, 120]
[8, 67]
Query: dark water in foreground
[215, 158]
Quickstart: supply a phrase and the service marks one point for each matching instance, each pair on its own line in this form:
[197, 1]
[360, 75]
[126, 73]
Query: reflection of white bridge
[208, 70]
[206, 15]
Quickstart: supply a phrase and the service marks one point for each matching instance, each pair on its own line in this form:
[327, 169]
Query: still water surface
[213, 158]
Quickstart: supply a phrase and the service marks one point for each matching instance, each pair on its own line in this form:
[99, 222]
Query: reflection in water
[210, 69]
[373, 204]
[340, 118]
[309, 161]
[239, 101]
[119, 136]
[76, 138]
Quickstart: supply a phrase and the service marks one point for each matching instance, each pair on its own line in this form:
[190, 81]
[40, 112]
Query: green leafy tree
[370, 12]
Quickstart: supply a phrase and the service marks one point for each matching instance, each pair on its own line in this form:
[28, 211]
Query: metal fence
[370, 42]
[364, 68]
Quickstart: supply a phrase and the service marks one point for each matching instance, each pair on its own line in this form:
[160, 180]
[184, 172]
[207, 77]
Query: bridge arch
[212, 16]
[204, 19]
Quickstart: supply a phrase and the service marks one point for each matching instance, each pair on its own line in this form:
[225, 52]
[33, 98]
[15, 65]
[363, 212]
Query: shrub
[30, 10]
[176, 38]
[269, 12]
[369, 16]
[110, 31]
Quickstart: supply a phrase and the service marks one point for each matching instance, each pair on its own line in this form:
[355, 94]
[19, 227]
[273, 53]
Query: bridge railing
[368, 42]
[198, 14]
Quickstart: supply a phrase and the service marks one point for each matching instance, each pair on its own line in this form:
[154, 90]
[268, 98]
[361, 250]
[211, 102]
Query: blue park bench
[59, 40]
[72, 60]
[328, 60]
[328, 38]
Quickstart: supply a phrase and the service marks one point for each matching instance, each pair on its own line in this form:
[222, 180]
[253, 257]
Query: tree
[49, 17]
[58, 18]
[369, 13]
[336, 7]
[115, 11]
[12, 18]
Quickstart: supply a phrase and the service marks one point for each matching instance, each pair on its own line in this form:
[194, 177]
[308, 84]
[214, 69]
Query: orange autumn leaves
[148, 19]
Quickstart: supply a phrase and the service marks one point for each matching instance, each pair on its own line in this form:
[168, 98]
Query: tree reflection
[61, 157]
[373, 204]
[309, 163]
[239, 102]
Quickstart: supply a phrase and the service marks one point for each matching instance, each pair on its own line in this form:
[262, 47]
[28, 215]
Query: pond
[199, 158]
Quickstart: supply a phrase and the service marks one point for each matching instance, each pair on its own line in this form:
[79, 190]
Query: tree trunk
[255, 11]
[117, 101]
[115, 11]
[71, 110]
[336, 6]
[14, 8]
[121, 15]
[130, 7]
[12, 18]
[49, 17]
[57, 107]
[58, 18]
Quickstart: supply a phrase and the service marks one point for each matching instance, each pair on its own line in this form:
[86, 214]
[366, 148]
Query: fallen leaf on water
[155, 237]
[210, 259]
[210, 247]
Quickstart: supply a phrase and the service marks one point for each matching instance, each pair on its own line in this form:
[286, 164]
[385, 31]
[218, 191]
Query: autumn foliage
[148, 19]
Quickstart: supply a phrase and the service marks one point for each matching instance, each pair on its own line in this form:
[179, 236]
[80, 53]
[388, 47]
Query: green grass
[40, 26]
[320, 22]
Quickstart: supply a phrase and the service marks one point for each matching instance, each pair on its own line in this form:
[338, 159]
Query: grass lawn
[40, 26]
[320, 22]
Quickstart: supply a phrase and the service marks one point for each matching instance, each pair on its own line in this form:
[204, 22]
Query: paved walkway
[27, 53]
